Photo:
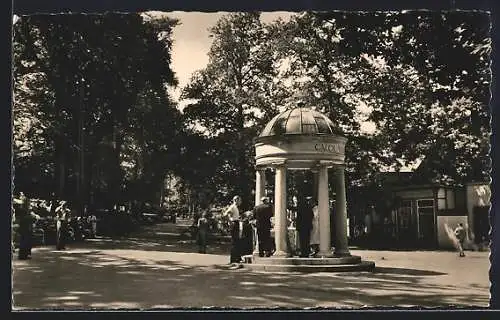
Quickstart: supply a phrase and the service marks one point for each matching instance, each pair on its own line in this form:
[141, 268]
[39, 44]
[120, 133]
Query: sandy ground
[168, 273]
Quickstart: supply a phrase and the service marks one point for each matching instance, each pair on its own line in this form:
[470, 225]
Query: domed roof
[299, 121]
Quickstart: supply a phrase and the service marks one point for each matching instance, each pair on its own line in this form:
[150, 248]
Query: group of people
[307, 225]
[25, 217]
[243, 224]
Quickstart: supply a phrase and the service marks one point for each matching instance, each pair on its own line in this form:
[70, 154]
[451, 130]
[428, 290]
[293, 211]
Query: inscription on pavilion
[329, 147]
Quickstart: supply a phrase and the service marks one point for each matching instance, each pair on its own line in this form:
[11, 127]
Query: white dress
[315, 227]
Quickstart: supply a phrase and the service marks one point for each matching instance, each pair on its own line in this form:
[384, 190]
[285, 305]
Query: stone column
[324, 213]
[260, 187]
[315, 178]
[280, 225]
[341, 244]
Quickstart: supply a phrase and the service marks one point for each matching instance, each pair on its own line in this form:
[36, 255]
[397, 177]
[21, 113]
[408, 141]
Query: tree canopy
[94, 123]
[90, 90]
[402, 86]
[234, 96]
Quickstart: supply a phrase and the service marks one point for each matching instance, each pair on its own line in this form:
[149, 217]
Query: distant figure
[377, 227]
[387, 230]
[315, 231]
[368, 224]
[233, 213]
[304, 226]
[25, 219]
[203, 229]
[461, 235]
[93, 222]
[62, 213]
[263, 214]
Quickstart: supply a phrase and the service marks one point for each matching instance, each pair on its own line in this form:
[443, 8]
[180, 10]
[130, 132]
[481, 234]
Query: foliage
[235, 95]
[85, 81]
[393, 70]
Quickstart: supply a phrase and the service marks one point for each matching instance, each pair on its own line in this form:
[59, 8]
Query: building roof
[299, 121]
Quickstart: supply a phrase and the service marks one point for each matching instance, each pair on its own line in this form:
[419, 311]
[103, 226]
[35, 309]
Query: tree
[235, 94]
[452, 52]
[341, 81]
[396, 66]
[90, 71]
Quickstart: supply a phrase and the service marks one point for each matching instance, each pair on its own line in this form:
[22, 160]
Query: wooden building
[424, 215]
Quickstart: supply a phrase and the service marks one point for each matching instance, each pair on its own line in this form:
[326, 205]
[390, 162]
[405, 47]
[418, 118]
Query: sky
[192, 42]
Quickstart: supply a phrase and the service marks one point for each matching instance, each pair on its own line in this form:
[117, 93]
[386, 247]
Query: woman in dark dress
[62, 226]
[202, 233]
[246, 240]
[25, 233]
[25, 219]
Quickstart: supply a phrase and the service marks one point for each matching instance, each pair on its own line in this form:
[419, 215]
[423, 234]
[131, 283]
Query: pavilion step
[362, 266]
[305, 261]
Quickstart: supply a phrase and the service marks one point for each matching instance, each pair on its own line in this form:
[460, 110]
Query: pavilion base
[307, 265]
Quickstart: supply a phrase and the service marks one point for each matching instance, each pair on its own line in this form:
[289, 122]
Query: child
[461, 236]
[203, 233]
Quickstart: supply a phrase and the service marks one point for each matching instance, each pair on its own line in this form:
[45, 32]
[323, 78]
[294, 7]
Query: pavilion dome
[299, 121]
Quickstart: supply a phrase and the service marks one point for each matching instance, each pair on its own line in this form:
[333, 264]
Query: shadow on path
[406, 271]
[95, 276]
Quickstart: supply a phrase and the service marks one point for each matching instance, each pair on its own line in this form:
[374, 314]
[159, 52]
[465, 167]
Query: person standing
[25, 219]
[233, 213]
[62, 213]
[262, 214]
[304, 226]
[461, 235]
[315, 231]
[246, 234]
[93, 223]
[368, 227]
[203, 228]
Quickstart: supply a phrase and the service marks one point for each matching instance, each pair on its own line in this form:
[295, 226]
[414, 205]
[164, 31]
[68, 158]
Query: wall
[446, 227]
[446, 198]
[415, 194]
[450, 195]
[460, 199]
[476, 195]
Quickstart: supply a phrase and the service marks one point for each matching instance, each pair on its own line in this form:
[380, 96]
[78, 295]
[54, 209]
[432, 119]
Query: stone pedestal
[308, 265]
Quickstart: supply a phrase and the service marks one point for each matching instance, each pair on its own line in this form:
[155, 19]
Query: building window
[404, 214]
[425, 212]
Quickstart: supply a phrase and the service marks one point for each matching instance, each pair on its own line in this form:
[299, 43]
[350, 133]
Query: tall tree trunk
[58, 185]
[117, 177]
[242, 184]
[81, 140]
[62, 175]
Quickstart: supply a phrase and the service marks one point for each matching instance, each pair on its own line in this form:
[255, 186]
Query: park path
[161, 271]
